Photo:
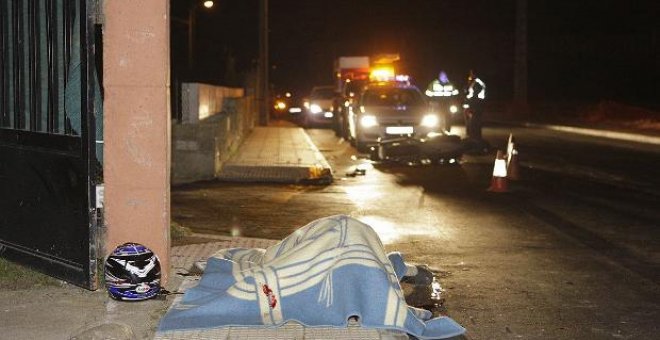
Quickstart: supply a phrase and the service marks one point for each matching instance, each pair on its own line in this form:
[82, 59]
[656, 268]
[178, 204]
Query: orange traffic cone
[513, 169]
[499, 182]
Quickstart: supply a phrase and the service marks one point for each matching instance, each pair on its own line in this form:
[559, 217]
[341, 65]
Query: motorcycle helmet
[132, 273]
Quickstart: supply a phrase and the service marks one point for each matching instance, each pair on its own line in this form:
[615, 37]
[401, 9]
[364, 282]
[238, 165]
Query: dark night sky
[578, 50]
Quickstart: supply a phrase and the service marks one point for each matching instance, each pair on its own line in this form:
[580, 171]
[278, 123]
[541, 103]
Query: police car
[388, 110]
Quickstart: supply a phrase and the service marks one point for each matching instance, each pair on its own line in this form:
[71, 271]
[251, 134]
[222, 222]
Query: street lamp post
[262, 81]
[176, 75]
[191, 30]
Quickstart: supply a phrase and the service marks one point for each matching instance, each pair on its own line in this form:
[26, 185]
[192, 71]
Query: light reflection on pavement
[391, 231]
[378, 200]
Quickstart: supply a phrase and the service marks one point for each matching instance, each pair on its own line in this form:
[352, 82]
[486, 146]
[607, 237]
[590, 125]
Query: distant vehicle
[390, 110]
[287, 106]
[296, 108]
[281, 105]
[319, 106]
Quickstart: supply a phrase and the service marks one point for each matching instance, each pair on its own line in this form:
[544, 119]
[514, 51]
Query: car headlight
[314, 108]
[430, 120]
[368, 121]
[453, 108]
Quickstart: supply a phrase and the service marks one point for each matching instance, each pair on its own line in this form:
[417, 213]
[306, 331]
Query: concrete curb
[276, 174]
[321, 168]
[265, 173]
[279, 155]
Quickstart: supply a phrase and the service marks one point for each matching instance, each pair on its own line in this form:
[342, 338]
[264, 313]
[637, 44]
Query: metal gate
[48, 167]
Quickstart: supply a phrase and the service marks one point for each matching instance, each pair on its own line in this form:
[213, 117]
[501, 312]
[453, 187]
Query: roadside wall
[202, 101]
[199, 150]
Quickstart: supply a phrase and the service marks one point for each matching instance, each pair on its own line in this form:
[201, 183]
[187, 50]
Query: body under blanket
[324, 273]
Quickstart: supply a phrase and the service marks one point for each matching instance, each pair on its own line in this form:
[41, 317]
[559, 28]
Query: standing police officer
[445, 97]
[475, 96]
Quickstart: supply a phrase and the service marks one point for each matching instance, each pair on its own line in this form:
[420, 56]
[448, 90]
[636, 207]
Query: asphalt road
[572, 251]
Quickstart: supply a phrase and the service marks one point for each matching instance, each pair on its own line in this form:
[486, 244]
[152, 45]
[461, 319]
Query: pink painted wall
[137, 125]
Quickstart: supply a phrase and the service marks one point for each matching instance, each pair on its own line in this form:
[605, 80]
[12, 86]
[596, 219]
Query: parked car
[319, 108]
[390, 110]
[296, 108]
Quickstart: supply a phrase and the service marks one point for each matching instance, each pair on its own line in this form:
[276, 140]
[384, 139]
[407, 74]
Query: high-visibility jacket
[439, 89]
[476, 90]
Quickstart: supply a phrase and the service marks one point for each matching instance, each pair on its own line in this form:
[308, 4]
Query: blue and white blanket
[322, 274]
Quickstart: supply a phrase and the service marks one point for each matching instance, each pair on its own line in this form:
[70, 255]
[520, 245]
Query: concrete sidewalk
[283, 154]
